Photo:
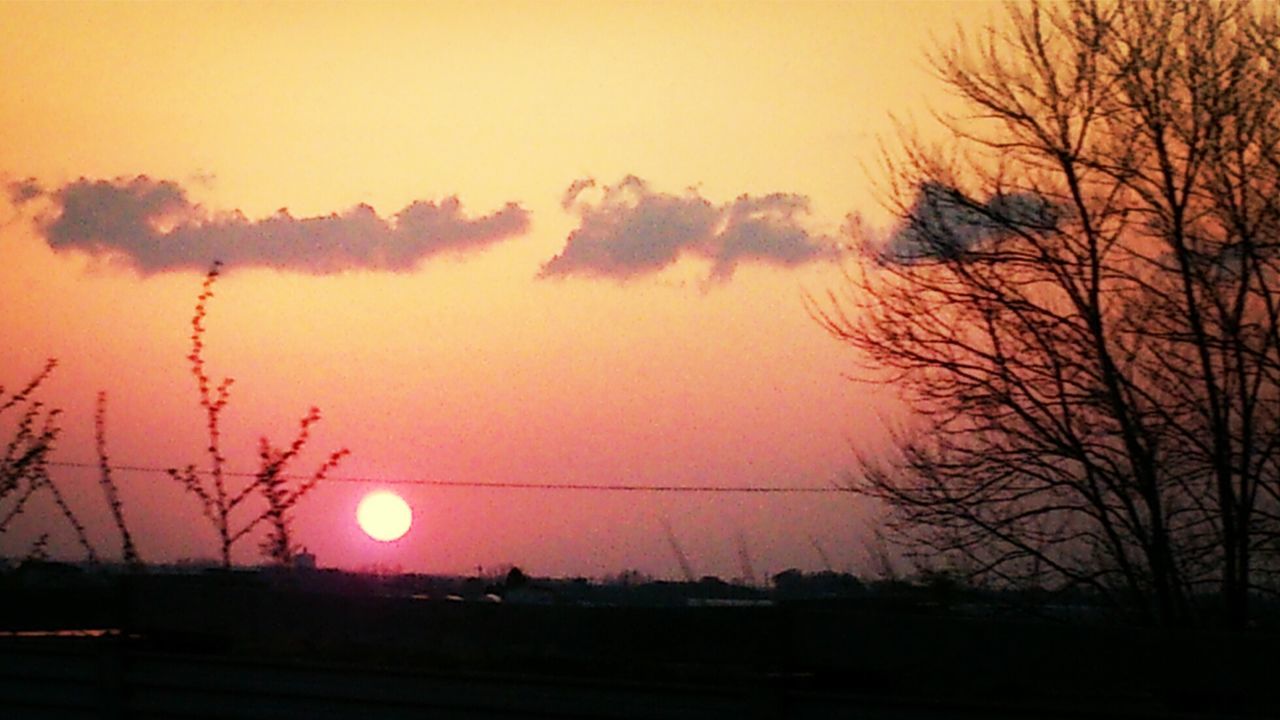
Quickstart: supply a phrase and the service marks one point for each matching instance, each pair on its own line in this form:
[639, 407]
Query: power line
[614, 487]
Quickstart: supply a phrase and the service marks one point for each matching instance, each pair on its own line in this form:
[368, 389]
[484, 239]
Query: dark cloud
[153, 226]
[944, 223]
[22, 192]
[630, 230]
[767, 229]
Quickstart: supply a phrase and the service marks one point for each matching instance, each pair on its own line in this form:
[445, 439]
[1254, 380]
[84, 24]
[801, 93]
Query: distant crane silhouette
[685, 567]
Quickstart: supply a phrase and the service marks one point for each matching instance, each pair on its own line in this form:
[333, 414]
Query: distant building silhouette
[305, 560]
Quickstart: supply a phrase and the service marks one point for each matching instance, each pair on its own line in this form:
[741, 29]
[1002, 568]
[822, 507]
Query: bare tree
[218, 497]
[24, 469]
[273, 482]
[128, 550]
[1081, 304]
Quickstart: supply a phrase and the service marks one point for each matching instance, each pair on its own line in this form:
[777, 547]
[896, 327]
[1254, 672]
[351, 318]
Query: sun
[384, 516]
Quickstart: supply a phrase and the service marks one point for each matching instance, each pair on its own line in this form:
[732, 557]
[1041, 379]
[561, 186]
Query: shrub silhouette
[218, 499]
[24, 464]
[127, 549]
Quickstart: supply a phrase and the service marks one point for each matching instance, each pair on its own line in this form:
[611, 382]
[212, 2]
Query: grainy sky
[493, 242]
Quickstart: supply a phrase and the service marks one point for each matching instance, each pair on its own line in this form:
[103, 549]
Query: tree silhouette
[1080, 302]
[218, 498]
[24, 469]
[274, 485]
[127, 549]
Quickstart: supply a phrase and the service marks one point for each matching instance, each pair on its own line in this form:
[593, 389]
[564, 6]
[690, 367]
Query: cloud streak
[627, 230]
[153, 226]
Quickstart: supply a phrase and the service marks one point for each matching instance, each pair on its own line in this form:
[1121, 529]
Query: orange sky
[469, 363]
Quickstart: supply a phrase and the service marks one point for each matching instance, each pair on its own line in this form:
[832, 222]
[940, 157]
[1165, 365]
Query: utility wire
[496, 485]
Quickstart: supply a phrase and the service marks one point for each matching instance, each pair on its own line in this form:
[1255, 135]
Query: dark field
[798, 658]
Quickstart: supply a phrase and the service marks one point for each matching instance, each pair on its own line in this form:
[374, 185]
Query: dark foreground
[228, 648]
[92, 680]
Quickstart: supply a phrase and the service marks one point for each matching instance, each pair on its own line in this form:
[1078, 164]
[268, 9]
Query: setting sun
[384, 516]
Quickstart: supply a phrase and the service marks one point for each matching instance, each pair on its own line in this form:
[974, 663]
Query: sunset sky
[531, 243]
